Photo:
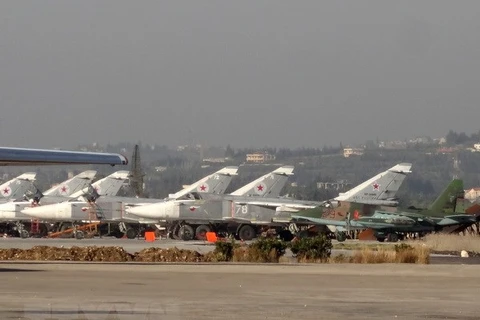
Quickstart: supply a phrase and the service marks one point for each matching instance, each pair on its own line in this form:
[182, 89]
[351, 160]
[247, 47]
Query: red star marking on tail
[6, 191]
[192, 208]
[63, 189]
[376, 186]
[203, 188]
[260, 188]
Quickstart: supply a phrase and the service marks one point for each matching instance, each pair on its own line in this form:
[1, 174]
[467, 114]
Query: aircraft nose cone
[157, 211]
[61, 210]
[37, 212]
[145, 211]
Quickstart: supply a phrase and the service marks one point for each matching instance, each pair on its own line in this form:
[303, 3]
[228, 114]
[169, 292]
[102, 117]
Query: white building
[259, 157]
[347, 152]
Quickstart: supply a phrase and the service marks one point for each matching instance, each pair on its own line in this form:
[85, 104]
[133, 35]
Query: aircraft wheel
[392, 237]
[201, 232]
[43, 230]
[175, 232]
[186, 232]
[381, 239]
[79, 235]
[131, 233]
[285, 235]
[24, 234]
[246, 232]
[117, 234]
[341, 236]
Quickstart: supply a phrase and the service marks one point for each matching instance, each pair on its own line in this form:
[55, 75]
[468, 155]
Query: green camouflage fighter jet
[390, 223]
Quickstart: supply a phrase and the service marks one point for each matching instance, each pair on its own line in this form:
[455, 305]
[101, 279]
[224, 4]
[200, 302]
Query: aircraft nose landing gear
[341, 236]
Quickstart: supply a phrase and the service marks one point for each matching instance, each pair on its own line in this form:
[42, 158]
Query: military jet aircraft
[268, 185]
[70, 189]
[16, 188]
[110, 209]
[95, 207]
[246, 215]
[390, 224]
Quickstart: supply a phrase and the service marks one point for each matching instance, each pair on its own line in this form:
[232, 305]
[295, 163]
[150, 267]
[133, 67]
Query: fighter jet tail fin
[445, 202]
[216, 183]
[16, 188]
[33, 196]
[269, 185]
[72, 185]
[381, 189]
[108, 186]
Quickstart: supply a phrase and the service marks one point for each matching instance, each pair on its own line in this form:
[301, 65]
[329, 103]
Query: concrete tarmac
[136, 291]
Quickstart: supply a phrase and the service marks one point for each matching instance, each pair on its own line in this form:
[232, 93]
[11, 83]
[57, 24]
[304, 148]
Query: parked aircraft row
[203, 206]
[246, 217]
[450, 212]
[107, 207]
[77, 186]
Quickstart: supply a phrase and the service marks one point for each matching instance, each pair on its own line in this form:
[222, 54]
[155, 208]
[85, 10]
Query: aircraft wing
[293, 207]
[343, 224]
[319, 221]
[25, 157]
[456, 219]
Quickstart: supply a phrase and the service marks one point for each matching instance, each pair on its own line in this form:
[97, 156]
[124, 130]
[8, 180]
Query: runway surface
[113, 291]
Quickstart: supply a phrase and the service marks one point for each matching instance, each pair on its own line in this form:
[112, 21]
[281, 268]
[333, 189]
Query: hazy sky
[248, 73]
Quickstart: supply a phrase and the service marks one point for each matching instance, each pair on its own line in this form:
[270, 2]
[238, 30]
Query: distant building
[214, 160]
[424, 140]
[441, 140]
[393, 145]
[476, 148]
[472, 194]
[259, 157]
[347, 152]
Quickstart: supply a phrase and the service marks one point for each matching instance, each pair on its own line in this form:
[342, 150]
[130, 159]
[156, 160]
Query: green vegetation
[224, 250]
[271, 250]
[317, 249]
[262, 250]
